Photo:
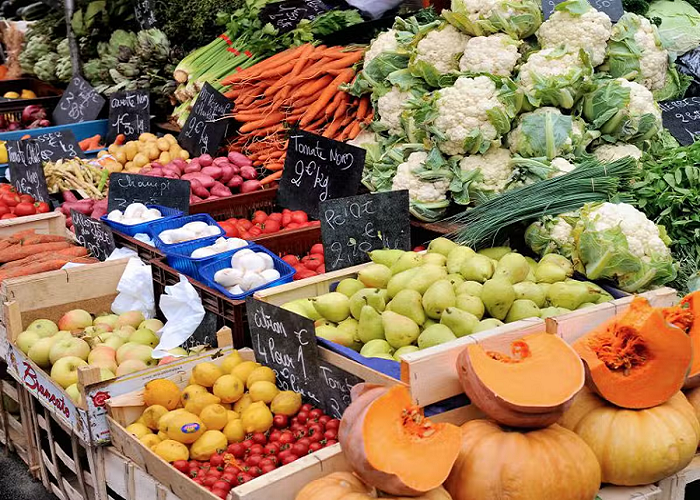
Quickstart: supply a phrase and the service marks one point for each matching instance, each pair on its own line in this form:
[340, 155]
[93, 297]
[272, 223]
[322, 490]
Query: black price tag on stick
[682, 119]
[125, 189]
[613, 8]
[79, 103]
[129, 114]
[286, 342]
[286, 15]
[318, 169]
[94, 235]
[27, 169]
[352, 227]
[143, 10]
[337, 384]
[205, 128]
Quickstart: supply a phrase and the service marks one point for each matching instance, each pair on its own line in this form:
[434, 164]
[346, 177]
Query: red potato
[83, 206]
[226, 174]
[194, 199]
[154, 164]
[96, 214]
[179, 163]
[220, 161]
[192, 168]
[235, 182]
[68, 196]
[220, 190]
[249, 173]
[171, 176]
[171, 171]
[206, 160]
[198, 189]
[239, 159]
[157, 171]
[206, 181]
[213, 172]
[250, 186]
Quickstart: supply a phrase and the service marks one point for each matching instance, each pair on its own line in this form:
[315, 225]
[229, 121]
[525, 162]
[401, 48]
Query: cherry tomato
[253, 460]
[268, 468]
[219, 492]
[231, 469]
[248, 443]
[214, 473]
[332, 424]
[306, 407]
[216, 460]
[271, 449]
[314, 414]
[237, 450]
[42, 207]
[199, 481]
[274, 435]
[210, 480]
[182, 466]
[26, 198]
[10, 199]
[194, 471]
[256, 449]
[255, 471]
[8, 216]
[300, 433]
[315, 432]
[228, 477]
[330, 434]
[299, 449]
[243, 477]
[315, 447]
[224, 485]
[331, 442]
[302, 417]
[259, 438]
[283, 454]
[264, 462]
[286, 438]
[289, 459]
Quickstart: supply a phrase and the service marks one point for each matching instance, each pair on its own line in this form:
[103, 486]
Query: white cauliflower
[518, 18]
[494, 167]
[547, 132]
[418, 190]
[364, 139]
[385, 42]
[611, 152]
[563, 166]
[390, 107]
[496, 54]
[561, 231]
[441, 48]
[589, 31]
[641, 100]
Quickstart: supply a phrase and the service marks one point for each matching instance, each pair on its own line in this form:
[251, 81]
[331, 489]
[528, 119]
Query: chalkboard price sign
[80, 102]
[129, 114]
[286, 342]
[94, 235]
[613, 8]
[682, 119]
[125, 189]
[27, 168]
[56, 146]
[143, 10]
[205, 128]
[287, 14]
[352, 227]
[337, 385]
[318, 169]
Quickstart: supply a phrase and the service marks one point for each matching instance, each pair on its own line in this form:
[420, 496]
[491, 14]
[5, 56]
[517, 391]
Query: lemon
[229, 388]
[214, 416]
[263, 391]
[138, 430]
[205, 374]
[231, 361]
[171, 451]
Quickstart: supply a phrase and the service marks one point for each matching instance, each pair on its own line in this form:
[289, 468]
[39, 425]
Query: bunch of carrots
[300, 87]
[26, 253]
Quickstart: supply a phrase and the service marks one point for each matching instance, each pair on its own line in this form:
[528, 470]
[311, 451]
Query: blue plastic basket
[207, 272]
[134, 229]
[179, 256]
[159, 227]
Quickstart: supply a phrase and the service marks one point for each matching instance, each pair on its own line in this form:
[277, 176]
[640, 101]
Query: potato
[112, 149]
[163, 144]
[147, 136]
[131, 149]
[140, 160]
[152, 152]
[113, 166]
[175, 150]
[165, 158]
[102, 153]
[170, 138]
[184, 154]
[120, 156]
[128, 165]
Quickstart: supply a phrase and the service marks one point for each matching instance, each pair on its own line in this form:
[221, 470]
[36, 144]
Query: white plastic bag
[375, 8]
[122, 253]
[184, 312]
[135, 290]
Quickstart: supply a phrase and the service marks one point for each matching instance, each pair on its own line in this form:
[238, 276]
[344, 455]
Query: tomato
[8, 216]
[256, 449]
[248, 443]
[302, 416]
[286, 438]
[284, 454]
[243, 477]
[237, 450]
[299, 216]
[230, 229]
[231, 469]
[259, 217]
[228, 477]
[210, 480]
[214, 473]
[315, 447]
[330, 434]
[303, 273]
[255, 231]
[4, 210]
[306, 408]
[25, 208]
[317, 249]
[315, 430]
[321, 269]
[255, 471]
[286, 218]
[7, 188]
[259, 438]
[332, 424]
[299, 449]
[10, 199]
[253, 460]
[314, 223]
[289, 459]
[280, 421]
[245, 224]
[271, 449]
[223, 485]
[182, 466]
[292, 225]
[219, 492]
[331, 442]
[313, 262]
[199, 481]
[274, 435]
[316, 413]
[246, 236]
[216, 460]
[42, 207]
[26, 198]
[275, 216]
[270, 226]
[268, 468]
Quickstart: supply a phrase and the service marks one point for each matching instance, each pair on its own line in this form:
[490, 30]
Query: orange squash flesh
[638, 359]
[688, 310]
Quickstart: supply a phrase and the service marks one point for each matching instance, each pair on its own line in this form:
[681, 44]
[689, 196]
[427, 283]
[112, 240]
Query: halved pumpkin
[529, 388]
[683, 316]
[390, 444]
[637, 359]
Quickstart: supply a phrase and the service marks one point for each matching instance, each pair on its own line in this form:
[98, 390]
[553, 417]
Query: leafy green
[374, 77]
[676, 85]
[680, 25]
[518, 18]
[548, 133]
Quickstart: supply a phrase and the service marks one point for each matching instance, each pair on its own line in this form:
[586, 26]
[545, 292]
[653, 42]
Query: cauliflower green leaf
[518, 18]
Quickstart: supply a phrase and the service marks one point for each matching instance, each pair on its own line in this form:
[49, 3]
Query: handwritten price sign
[80, 102]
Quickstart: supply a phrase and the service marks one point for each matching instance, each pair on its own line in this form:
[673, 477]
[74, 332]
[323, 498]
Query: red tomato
[219, 492]
[315, 447]
[182, 466]
[280, 421]
[237, 450]
[231, 469]
[255, 231]
[10, 199]
[332, 424]
[271, 449]
[259, 438]
[331, 442]
[243, 477]
[321, 269]
[248, 443]
[4, 210]
[268, 468]
[275, 216]
[255, 471]
[230, 229]
[286, 218]
[245, 224]
[216, 460]
[246, 236]
[271, 226]
[259, 217]
[26, 198]
[210, 480]
[7, 188]
[317, 249]
[264, 462]
[316, 413]
[256, 449]
[315, 432]
[8, 216]
[314, 223]
[299, 216]
[224, 485]
[214, 473]
[42, 207]
[25, 208]
[286, 438]
[312, 262]
[306, 408]
[199, 481]
[274, 435]
[229, 477]
[300, 433]
[289, 459]
[292, 260]
[330, 434]
[292, 225]
[253, 460]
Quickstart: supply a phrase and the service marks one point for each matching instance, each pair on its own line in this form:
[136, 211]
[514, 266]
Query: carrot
[315, 69]
[42, 238]
[120, 139]
[354, 130]
[362, 108]
[312, 87]
[326, 96]
[333, 128]
[296, 69]
[36, 268]
[272, 177]
[84, 144]
[344, 62]
[336, 103]
[264, 132]
[270, 62]
[20, 252]
[274, 166]
[263, 122]
[73, 251]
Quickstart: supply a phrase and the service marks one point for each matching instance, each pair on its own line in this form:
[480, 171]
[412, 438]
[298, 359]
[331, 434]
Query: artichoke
[45, 67]
[129, 69]
[63, 48]
[35, 48]
[122, 45]
[64, 69]
[153, 44]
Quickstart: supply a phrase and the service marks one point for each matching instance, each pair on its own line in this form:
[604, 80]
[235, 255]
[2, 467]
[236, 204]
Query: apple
[114, 341]
[41, 350]
[26, 340]
[94, 331]
[144, 336]
[124, 332]
[132, 350]
[178, 351]
[106, 374]
[43, 327]
[73, 347]
[131, 318]
[74, 393]
[131, 366]
[103, 356]
[152, 324]
[77, 319]
[65, 370]
[63, 335]
[106, 319]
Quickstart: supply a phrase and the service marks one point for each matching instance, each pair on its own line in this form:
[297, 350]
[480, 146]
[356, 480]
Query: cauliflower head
[365, 139]
[562, 166]
[578, 25]
[441, 48]
[551, 235]
[494, 170]
[518, 18]
[390, 107]
[385, 42]
[547, 133]
[473, 113]
[635, 52]
[495, 54]
[609, 153]
[554, 76]
[419, 190]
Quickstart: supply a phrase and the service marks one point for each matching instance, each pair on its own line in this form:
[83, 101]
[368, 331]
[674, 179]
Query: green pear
[457, 256]
[434, 258]
[548, 312]
[399, 330]
[407, 349]
[429, 322]
[407, 261]
[350, 326]
[498, 295]
[370, 326]
[531, 291]
[494, 253]
[559, 260]
[586, 305]
[604, 297]
[303, 307]
[470, 288]
[512, 266]
[549, 272]
[426, 276]
[386, 257]
[439, 297]
[375, 276]
[460, 322]
[545, 289]
[333, 306]
[533, 267]
[471, 304]
[570, 294]
[335, 334]
[435, 335]
[400, 281]
[409, 303]
[375, 347]
[478, 268]
[487, 324]
[323, 322]
[456, 280]
[442, 246]
[367, 296]
[521, 309]
[349, 286]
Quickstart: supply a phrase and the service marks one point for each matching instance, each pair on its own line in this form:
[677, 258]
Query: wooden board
[48, 223]
[673, 487]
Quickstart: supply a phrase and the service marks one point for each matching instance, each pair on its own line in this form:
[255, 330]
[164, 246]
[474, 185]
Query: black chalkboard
[129, 114]
[352, 227]
[287, 14]
[613, 8]
[59, 145]
[79, 103]
[143, 11]
[205, 334]
[26, 169]
[318, 169]
[682, 119]
[337, 385]
[286, 342]
[94, 235]
[205, 129]
[125, 189]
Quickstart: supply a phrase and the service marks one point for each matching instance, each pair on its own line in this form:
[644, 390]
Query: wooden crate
[128, 481]
[674, 487]
[48, 223]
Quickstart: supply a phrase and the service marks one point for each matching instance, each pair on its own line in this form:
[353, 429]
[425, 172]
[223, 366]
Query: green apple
[152, 324]
[65, 370]
[73, 347]
[40, 352]
[26, 340]
[43, 327]
[74, 393]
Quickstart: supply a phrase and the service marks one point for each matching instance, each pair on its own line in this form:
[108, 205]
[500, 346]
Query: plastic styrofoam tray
[134, 229]
[159, 227]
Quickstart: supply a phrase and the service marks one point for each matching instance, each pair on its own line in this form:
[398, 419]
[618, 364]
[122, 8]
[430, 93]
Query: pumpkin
[496, 463]
[531, 388]
[693, 397]
[390, 444]
[683, 316]
[346, 486]
[637, 359]
[636, 447]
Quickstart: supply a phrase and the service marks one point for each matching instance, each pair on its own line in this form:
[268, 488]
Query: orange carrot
[312, 87]
[42, 238]
[296, 69]
[275, 166]
[120, 139]
[333, 128]
[272, 177]
[36, 268]
[263, 122]
[256, 69]
[84, 144]
[21, 251]
[336, 103]
[326, 96]
[362, 108]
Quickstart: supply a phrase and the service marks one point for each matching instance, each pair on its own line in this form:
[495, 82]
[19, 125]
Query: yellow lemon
[205, 374]
[162, 392]
[262, 373]
[208, 443]
[214, 416]
[286, 403]
[138, 430]
[243, 403]
[229, 388]
[191, 391]
[185, 428]
[244, 369]
[152, 414]
[231, 361]
[150, 440]
[171, 451]
[263, 391]
[234, 431]
[197, 404]
[232, 415]
[256, 418]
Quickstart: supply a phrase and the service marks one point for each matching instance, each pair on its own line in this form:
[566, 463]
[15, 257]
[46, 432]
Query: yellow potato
[112, 148]
[147, 136]
[163, 144]
[140, 160]
[152, 152]
[113, 166]
[170, 138]
[184, 154]
[128, 165]
[175, 150]
[102, 153]
[120, 156]
[165, 158]
[131, 149]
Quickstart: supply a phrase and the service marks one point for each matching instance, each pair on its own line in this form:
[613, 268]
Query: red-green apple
[77, 319]
[130, 366]
[44, 327]
[65, 370]
[103, 356]
[73, 347]
[152, 324]
[26, 340]
[106, 319]
[114, 341]
[41, 350]
[132, 350]
[130, 318]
